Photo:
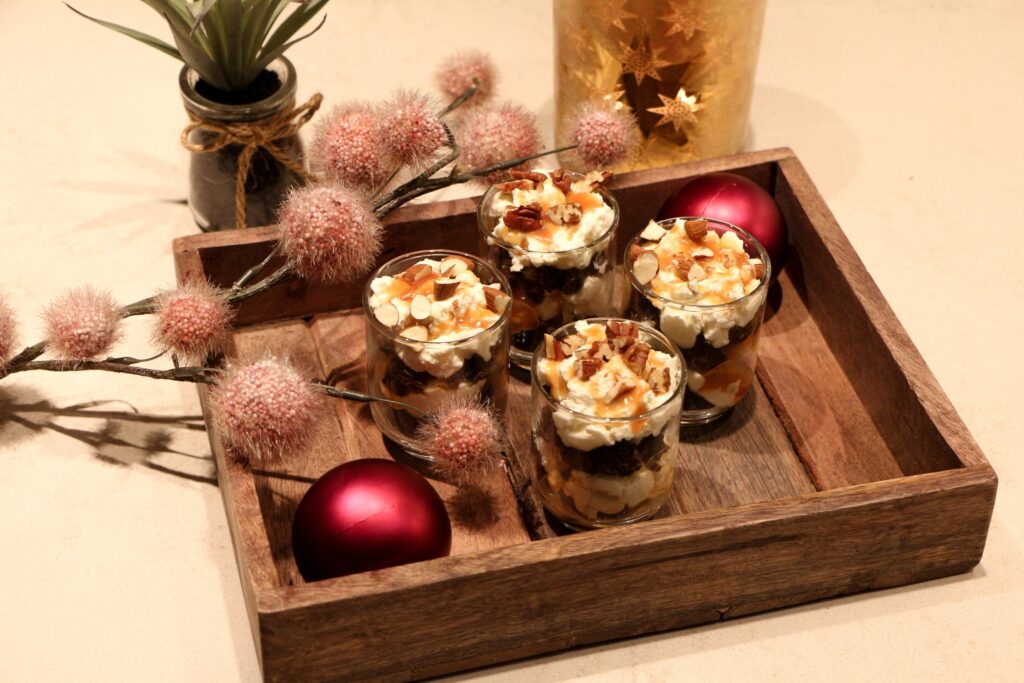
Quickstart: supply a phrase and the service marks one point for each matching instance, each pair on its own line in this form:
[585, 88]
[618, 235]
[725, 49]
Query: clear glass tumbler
[550, 286]
[437, 330]
[718, 340]
[596, 462]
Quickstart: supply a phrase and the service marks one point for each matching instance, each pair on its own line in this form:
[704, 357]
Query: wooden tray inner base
[788, 438]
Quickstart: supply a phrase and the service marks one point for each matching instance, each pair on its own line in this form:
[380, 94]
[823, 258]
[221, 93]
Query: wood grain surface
[846, 469]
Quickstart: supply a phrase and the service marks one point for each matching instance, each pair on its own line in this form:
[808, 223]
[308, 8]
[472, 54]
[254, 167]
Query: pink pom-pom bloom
[604, 136]
[264, 410]
[412, 128]
[329, 233]
[192, 320]
[8, 332]
[82, 324]
[348, 147]
[463, 438]
[462, 70]
[495, 133]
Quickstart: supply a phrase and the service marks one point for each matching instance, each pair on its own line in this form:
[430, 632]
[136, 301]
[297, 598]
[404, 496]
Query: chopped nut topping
[682, 264]
[646, 267]
[636, 357]
[697, 230]
[496, 299]
[553, 349]
[587, 367]
[704, 253]
[696, 272]
[758, 268]
[573, 342]
[659, 379]
[419, 307]
[525, 218]
[622, 328]
[594, 180]
[416, 273]
[653, 232]
[512, 185]
[561, 181]
[601, 350]
[388, 315]
[416, 333]
[635, 250]
[532, 176]
[565, 214]
[444, 288]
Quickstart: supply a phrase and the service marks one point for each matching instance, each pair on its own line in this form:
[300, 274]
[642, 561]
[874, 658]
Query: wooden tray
[845, 470]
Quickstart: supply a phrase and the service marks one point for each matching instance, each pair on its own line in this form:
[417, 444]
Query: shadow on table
[116, 431]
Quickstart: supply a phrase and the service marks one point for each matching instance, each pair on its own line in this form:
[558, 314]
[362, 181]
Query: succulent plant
[228, 42]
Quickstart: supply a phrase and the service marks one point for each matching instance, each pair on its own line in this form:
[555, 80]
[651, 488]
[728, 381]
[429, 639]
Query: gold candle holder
[684, 68]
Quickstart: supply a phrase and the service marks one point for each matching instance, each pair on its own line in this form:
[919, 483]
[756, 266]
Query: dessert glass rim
[420, 254]
[609, 200]
[651, 294]
[669, 347]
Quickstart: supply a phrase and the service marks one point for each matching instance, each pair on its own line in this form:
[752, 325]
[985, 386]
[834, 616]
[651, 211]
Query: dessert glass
[463, 354]
[717, 340]
[551, 286]
[596, 471]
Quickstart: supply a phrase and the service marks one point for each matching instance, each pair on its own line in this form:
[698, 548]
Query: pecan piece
[561, 181]
[592, 181]
[659, 380]
[532, 176]
[636, 357]
[525, 218]
[682, 264]
[553, 348]
[511, 185]
[587, 367]
[620, 388]
[565, 214]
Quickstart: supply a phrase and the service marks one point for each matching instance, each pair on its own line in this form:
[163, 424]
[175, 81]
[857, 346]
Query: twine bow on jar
[252, 136]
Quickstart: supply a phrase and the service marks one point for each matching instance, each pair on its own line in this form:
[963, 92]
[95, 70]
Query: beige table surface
[908, 116]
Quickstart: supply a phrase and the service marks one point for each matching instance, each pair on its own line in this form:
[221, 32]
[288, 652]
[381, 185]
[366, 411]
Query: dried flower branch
[329, 231]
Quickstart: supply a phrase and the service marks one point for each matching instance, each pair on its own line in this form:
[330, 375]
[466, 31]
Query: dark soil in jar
[212, 174]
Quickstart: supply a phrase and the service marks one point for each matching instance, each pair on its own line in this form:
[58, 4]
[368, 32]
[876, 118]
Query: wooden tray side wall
[552, 594]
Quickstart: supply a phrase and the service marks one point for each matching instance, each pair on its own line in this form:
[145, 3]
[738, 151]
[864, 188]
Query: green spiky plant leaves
[228, 42]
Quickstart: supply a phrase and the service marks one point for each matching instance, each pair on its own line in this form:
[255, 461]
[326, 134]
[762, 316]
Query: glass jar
[550, 287]
[684, 69]
[595, 471]
[211, 178]
[719, 341]
[460, 351]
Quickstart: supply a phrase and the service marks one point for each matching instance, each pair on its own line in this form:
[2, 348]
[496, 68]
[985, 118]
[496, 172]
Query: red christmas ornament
[737, 200]
[368, 514]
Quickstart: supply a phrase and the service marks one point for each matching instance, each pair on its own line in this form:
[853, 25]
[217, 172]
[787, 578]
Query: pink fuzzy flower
[603, 135]
[462, 70]
[329, 233]
[463, 438]
[348, 147]
[494, 133]
[192, 320]
[412, 128]
[82, 324]
[8, 332]
[264, 410]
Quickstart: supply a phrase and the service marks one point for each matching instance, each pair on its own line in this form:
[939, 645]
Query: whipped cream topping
[442, 312]
[558, 242]
[711, 276]
[605, 371]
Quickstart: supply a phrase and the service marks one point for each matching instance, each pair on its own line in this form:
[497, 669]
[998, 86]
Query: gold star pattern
[684, 22]
[620, 14]
[641, 62]
[678, 110]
